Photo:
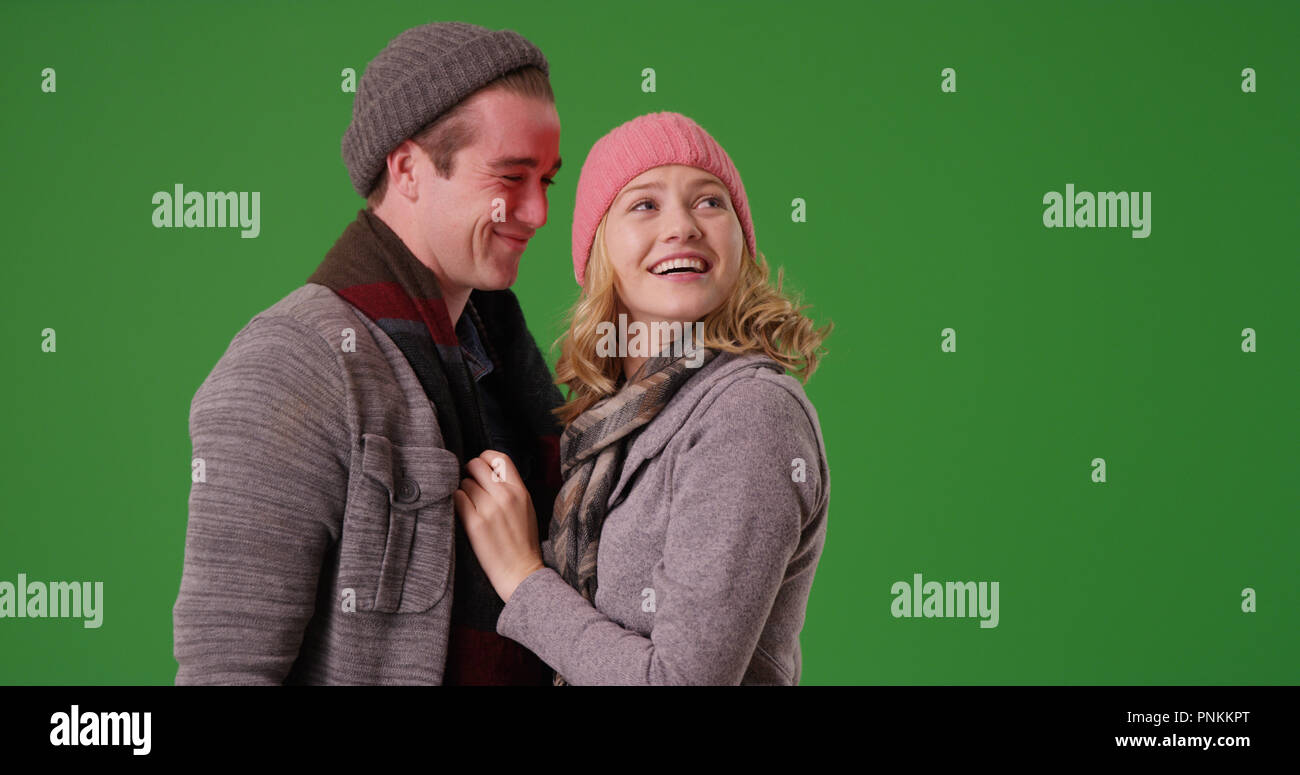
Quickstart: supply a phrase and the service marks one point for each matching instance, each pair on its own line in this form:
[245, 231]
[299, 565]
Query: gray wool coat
[707, 555]
[309, 556]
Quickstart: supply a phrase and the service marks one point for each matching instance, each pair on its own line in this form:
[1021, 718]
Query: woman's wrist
[518, 578]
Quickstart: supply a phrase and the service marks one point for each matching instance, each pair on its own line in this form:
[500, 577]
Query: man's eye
[548, 181]
[514, 178]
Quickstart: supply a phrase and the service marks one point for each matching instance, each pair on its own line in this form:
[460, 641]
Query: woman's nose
[681, 225]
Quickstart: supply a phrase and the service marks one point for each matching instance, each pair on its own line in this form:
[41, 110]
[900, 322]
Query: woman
[685, 538]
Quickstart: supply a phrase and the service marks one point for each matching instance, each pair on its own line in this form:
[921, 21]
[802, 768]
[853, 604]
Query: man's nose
[530, 208]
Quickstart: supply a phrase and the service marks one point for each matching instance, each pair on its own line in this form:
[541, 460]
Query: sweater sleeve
[268, 425]
[736, 521]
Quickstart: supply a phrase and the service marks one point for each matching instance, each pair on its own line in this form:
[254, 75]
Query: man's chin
[500, 280]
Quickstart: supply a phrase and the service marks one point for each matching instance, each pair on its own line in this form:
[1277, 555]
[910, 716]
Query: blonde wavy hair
[756, 318]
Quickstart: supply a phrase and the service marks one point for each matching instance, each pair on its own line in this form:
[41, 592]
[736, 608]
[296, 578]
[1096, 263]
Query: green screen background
[924, 211]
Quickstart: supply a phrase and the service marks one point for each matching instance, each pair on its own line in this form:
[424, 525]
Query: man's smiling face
[477, 222]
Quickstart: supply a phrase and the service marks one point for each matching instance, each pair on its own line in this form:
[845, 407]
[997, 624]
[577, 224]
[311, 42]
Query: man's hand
[500, 521]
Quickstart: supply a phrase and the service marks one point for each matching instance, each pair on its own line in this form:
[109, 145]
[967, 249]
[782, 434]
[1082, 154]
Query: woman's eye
[637, 206]
[717, 200]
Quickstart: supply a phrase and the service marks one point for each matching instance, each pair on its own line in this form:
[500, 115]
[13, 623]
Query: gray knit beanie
[421, 74]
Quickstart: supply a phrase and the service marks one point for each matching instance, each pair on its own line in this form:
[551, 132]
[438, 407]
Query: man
[322, 544]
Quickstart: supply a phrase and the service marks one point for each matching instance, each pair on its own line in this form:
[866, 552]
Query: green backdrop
[924, 211]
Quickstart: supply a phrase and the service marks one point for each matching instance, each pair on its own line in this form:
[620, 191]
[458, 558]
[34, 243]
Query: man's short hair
[446, 135]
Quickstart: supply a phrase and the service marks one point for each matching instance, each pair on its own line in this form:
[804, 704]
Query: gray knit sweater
[707, 556]
[320, 545]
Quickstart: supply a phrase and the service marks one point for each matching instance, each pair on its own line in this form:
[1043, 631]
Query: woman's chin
[682, 312]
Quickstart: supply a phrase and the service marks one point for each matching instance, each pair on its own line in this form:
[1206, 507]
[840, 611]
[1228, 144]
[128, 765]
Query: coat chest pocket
[399, 529]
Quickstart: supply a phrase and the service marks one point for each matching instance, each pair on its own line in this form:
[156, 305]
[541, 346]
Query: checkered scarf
[592, 450]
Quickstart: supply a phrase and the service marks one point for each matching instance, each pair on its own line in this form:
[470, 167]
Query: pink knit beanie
[645, 142]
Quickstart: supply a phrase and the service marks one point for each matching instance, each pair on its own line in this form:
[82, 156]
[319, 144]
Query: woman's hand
[500, 521]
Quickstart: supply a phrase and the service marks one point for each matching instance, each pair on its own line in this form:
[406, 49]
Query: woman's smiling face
[674, 242]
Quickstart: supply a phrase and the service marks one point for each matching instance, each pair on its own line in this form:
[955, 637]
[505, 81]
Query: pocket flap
[416, 477]
[399, 533]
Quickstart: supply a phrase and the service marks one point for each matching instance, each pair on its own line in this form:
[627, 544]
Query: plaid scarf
[592, 450]
[373, 270]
